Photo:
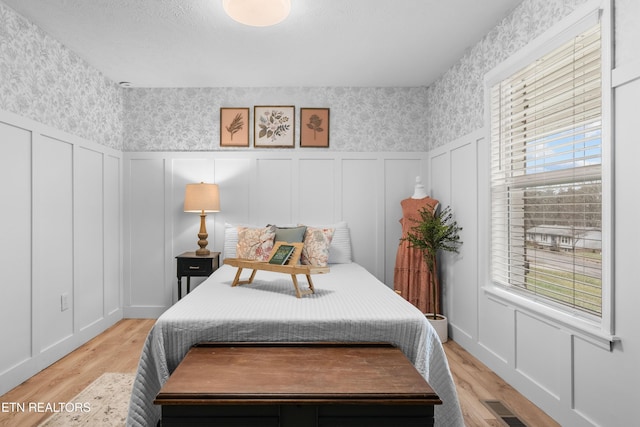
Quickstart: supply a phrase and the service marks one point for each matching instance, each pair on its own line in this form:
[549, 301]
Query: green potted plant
[434, 232]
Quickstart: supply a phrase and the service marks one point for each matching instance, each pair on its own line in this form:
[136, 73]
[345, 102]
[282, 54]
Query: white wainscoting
[452, 175]
[577, 382]
[257, 187]
[61, 236]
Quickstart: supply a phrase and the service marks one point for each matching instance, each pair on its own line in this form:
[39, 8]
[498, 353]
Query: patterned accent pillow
[255, 243]
[316, 246]
[340, 248]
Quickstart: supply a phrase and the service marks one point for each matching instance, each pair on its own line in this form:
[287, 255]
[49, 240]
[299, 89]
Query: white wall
[575, 380]
[61, 235]
[257, 187]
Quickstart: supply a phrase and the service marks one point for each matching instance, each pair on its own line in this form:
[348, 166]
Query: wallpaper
[361, 119]
[455, 102]
[42, 80]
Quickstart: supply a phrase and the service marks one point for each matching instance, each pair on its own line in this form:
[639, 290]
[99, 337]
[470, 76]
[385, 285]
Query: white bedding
[350, 304]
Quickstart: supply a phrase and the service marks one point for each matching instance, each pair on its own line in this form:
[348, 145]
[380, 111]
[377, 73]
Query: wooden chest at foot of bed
[296, 384]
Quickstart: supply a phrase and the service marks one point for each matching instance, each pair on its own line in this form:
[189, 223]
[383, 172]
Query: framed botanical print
[274, 126]
[314, 127]
[234, 127]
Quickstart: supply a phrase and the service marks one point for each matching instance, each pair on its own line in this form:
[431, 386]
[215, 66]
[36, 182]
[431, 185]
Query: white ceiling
[192, 43]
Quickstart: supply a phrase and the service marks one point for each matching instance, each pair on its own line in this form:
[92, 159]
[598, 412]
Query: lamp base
[203, 252]
[202, 235]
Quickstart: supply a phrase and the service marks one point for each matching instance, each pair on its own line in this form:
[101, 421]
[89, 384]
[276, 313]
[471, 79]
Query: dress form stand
[419, 192]
[411, 276]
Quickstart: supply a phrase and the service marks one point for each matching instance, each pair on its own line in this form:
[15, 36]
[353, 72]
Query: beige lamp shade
[202, 198]
[257, 13]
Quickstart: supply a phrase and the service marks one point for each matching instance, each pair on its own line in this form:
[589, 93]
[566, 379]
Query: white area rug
[104, 403]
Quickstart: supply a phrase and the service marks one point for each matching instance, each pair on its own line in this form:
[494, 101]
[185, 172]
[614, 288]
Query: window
[547, 163]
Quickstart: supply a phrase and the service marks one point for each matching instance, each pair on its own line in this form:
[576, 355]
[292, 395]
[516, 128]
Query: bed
[349, 304]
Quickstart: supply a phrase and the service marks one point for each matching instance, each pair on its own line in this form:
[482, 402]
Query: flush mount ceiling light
[257, 13]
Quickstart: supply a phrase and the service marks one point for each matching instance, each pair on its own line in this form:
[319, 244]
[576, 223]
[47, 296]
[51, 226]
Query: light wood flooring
[118, 350]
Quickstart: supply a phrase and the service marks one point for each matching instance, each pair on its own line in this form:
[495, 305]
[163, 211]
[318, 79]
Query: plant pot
[440, 325]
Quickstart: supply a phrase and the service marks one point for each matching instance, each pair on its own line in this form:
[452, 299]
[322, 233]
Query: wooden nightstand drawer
[195, 266]
[191, 265]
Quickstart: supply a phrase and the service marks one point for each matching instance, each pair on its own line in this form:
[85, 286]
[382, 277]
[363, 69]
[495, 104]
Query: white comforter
[350, 304]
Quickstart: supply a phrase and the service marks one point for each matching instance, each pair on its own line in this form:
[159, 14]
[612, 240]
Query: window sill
[581, 327]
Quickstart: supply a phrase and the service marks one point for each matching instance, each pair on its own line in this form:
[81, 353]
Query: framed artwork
[274, 126]
[234, 127]
[314, 127]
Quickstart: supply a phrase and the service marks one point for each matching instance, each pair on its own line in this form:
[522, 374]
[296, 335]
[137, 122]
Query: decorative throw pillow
[340, 248]
[231, 238]
[255, 243]
[290, 234]
[316, 246]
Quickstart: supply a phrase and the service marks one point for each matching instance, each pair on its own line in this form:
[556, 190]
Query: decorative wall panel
[53, 244]
[316, 191]
[627, 32]
[60, 248]
[112, 234]
[144, 247]
[88, 237]
[256, 188]
[15, 229]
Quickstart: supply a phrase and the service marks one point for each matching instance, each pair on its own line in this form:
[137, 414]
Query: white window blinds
[546, 176]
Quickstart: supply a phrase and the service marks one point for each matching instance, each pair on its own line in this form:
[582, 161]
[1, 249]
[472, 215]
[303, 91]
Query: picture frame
[234, 127]
[274, 126]
[314, 127]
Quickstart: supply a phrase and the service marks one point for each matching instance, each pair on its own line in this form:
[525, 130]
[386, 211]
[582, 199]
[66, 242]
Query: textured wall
[362, 119]
[456, 101]
[44, 81]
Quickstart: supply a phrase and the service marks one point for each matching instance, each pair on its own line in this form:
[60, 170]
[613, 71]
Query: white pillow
[340, 249]
[230, 241]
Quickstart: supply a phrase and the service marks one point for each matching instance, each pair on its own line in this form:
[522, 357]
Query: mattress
[349, 305]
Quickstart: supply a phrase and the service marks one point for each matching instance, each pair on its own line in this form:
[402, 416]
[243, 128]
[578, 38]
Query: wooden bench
[296, 384]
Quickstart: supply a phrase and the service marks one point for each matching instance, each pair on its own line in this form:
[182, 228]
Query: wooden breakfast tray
[291, 269]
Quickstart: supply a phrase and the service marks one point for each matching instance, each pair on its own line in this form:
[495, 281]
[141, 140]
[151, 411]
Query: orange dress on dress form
[411, 277]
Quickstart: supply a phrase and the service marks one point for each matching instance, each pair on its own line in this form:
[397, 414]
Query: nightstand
[192, 265]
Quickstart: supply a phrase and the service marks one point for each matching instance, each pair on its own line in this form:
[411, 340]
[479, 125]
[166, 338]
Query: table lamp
[202, 198]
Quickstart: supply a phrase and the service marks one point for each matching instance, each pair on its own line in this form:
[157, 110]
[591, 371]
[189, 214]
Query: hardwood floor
[118, 350]
[475, 383]
[115, 350]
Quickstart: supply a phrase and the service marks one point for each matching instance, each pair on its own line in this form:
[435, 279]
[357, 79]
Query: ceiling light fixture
[257, 13]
